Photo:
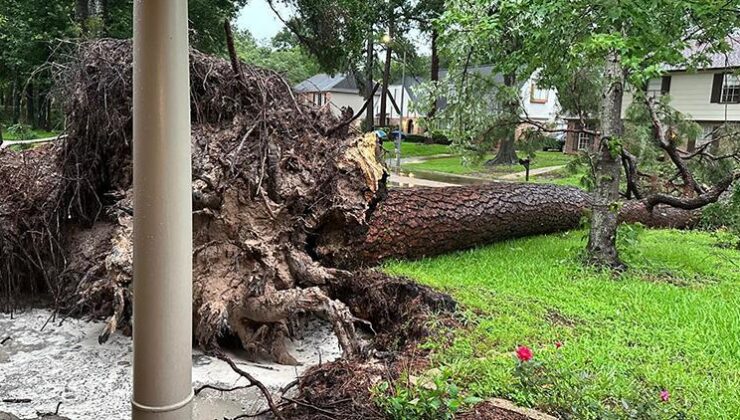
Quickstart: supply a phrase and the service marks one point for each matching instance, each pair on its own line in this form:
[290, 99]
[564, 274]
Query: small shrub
[416, 138]
[437, 137]
[21, 132]
[723, 217]
[438, 398]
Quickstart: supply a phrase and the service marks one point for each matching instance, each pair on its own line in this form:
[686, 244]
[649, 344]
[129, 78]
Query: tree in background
[481, 109]
[630, 41]
[340, 34]
[29, 30]
[282, 55]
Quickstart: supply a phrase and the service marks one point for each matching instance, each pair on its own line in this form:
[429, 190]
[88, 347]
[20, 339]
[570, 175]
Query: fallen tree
[284, 205]
[419, 222]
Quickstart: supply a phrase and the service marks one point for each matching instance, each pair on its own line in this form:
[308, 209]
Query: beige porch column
[162, 212]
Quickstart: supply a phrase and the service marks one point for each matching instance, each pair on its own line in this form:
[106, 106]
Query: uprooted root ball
[268, 175]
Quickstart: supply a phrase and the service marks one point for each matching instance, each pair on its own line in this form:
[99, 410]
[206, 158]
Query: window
[318, 98]
[725, 89]
[537, 95]
[730, 89]
[584, 141]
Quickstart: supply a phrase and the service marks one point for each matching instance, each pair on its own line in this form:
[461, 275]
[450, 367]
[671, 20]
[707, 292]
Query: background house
[402, 94]
[336, 92]
[576, 141]
[540, 105]
[708, 95]
[341, 90]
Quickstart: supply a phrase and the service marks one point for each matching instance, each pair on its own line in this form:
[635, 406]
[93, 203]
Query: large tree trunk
[370, 99]
[82, 13]
[506, 154]
[421, 222]
[602, 244]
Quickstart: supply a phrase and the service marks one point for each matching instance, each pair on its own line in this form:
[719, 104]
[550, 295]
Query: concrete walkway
[521, 175]
[422, 159]
[408, 181]
[8, 143]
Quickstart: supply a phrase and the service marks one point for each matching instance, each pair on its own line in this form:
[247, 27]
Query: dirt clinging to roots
[269, 175]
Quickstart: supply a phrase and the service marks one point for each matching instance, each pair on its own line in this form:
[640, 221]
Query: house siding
[690, 94]
[339, 100]
[546, 111]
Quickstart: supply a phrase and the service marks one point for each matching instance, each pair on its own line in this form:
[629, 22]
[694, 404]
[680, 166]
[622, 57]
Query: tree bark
[30, 105]
[370, 99]
[602, 244]
[384, 92]
[82, 13]
[16, 102]
[420, 222]
[434, 76]
[506, 154]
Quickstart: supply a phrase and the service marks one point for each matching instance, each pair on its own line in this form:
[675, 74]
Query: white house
[336, 92]
[341, 90]
[538, 104]
[401, 94]
[709, 95]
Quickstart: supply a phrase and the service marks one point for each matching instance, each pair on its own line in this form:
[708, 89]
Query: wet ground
[45, 363]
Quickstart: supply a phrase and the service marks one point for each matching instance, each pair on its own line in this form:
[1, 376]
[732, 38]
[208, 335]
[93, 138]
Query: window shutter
[719, 78]
[665, 85]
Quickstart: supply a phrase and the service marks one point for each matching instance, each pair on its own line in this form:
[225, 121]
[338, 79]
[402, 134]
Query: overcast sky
[260, 20]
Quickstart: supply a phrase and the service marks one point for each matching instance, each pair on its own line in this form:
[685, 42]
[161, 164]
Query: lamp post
[162, 213]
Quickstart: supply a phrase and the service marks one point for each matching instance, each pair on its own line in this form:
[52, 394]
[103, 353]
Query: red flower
[524, 353]
[665, 395]
[558, 344]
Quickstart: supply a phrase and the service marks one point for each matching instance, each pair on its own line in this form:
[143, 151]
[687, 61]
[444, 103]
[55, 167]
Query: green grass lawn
[35, 134]
[409, 149]
[455, 165]
[672, 321]
[561, 177]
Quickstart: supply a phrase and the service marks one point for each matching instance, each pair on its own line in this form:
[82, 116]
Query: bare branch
[669, 146]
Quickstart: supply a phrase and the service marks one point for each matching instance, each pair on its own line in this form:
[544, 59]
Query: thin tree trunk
[47, 113]
[370, 116]
[602, 244]
[30, 106]
[82, 13]
[506, 154]
[16, 102]
[434, 76]
[384, 92]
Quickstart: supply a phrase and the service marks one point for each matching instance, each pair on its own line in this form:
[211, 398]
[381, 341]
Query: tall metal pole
[162, 213]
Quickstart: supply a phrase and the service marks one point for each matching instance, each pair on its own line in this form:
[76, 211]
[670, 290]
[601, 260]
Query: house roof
[323, 82]
[485, 70]
[408, 82]
[729, 59]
